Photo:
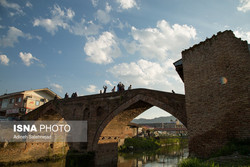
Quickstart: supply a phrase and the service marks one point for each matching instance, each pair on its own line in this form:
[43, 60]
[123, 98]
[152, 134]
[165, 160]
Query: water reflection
[167, 156]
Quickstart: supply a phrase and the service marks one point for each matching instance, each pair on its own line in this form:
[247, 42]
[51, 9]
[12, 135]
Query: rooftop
[178, 63]
[33, 90]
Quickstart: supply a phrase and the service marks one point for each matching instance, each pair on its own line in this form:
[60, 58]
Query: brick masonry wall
[27, 152]
[216, 111]
[108, 114]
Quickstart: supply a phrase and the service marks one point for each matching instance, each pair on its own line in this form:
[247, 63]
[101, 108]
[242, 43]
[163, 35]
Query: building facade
[20, 103]
[216, 75]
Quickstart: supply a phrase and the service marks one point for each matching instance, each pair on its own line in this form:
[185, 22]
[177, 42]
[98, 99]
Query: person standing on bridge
[130, 87]
[119, 87]
[105, 88]
[122, 87]
[113, 90]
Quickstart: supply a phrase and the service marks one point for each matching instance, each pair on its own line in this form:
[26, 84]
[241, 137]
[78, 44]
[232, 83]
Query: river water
[167, 156]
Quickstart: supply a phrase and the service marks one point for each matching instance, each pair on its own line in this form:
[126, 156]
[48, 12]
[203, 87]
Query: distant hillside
[155, 120]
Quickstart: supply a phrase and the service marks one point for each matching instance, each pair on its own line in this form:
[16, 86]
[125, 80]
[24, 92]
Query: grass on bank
[234, 153]
[195, 162]
[242, 147]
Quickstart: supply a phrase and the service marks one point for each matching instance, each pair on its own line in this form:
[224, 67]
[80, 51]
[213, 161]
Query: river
[166, 156]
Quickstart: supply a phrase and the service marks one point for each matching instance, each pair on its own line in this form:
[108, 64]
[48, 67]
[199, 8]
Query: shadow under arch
[114, 122]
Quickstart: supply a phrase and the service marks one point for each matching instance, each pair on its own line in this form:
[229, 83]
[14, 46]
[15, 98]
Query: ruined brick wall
[217, 87]
[21, 152]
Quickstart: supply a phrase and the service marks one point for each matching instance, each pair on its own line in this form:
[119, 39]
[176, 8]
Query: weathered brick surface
[108, 114]
[25, 152]
[217, 112]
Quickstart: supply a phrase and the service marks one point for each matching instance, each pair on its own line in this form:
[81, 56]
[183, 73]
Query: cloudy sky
[79, 46]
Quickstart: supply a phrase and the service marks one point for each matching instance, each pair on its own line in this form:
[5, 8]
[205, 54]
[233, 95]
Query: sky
[79, 46]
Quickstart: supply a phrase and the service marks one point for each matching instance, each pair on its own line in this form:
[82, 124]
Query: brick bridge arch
[108, 113]
[112, 126]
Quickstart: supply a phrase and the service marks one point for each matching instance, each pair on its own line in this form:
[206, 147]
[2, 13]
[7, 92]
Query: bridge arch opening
[112, 128]
[152, 113]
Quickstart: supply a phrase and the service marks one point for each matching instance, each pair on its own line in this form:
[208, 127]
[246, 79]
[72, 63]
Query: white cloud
[60, 18]
[70, 14]
[27, 58]
[127, 4]
[108, 83]
[57, 87]
[145, 73]
[12, 37]
[63, 18]
[102, 50]
[159, 48]
[13, 6]
[29, 5]
[91, 89]
[84, 29]
[121, 25]
[244, 6]
[243, 35]
[162, 42]
[108, 7]
[103, 16]
[94, 2]
[4, 60]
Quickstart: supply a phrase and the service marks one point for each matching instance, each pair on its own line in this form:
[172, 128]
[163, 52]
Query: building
[19, 103]
[173, 127]
[216, 76]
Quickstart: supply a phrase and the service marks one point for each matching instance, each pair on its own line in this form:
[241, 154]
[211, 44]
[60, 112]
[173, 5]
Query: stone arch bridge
[107, 114]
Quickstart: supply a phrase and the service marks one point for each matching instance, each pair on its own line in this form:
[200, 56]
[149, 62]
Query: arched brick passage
[101, 109]
[114, 123]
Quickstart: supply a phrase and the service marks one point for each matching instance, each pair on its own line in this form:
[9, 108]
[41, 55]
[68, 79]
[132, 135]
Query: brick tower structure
[216, 74]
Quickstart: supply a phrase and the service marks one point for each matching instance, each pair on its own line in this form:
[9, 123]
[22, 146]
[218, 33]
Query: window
[37, 103]
[12, 101]
[18, 99]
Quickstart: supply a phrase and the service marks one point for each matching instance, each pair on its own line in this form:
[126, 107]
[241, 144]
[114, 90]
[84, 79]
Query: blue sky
[79, 46]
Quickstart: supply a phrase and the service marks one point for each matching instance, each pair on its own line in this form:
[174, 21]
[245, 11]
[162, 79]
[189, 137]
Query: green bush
[240, 146]
[137, 144]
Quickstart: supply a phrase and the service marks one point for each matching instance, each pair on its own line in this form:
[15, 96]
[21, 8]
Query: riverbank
[147, 144]
[221, 161]
[235, 153]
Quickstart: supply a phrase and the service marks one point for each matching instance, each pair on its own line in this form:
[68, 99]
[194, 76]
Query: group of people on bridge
[120, 88]
[72, 96]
